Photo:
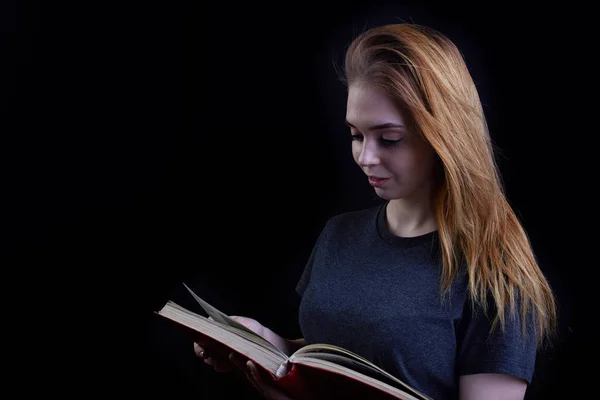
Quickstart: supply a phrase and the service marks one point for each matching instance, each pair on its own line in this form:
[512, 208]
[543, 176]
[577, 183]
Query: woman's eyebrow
[387, 125]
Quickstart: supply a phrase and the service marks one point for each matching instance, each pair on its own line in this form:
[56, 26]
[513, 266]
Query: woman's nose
[369, 153]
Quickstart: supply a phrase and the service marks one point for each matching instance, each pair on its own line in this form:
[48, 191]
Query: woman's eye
[390, 142]
[384, 142]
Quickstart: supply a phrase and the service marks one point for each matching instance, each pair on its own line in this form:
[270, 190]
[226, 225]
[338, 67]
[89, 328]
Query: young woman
[438, 285]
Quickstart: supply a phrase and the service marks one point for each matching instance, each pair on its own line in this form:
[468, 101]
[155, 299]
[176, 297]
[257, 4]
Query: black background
[146, 144]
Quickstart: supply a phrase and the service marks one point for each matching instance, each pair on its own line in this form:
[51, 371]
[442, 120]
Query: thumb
[241, 320]
[251, 324]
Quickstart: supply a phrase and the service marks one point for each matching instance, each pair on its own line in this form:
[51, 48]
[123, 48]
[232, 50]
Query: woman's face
[399, 163]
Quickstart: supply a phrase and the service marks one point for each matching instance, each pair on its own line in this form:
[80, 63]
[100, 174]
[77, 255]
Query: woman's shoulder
[355, 217]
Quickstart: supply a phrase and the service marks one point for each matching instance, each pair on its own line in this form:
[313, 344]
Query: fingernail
[250, 366]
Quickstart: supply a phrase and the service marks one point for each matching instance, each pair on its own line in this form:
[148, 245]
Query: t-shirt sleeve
[507, 351]
[304, 279]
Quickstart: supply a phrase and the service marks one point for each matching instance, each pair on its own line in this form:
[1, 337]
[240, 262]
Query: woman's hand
[256, 378]
[222, 360]
[217, 355]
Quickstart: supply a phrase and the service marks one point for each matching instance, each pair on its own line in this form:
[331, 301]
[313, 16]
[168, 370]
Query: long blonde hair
[426, 74]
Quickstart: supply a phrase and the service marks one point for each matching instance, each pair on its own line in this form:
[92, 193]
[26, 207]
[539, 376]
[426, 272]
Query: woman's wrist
[288, 346]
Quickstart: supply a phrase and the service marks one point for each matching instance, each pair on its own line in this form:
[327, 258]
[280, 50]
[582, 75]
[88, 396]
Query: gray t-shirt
[378, 295]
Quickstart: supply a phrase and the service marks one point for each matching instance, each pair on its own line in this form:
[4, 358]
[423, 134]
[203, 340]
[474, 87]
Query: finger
[218, 364]
[254, 373]
[238, 367]
[202, 342]
[236, 361]
[203, 350]
[199, 350]
[253, 378]
[240, 363]
[266, 389]
[221, 366]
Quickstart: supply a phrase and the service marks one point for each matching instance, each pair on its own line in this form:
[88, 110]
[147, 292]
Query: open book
[315, 371]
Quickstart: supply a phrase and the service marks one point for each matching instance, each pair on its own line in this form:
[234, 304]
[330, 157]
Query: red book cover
[301, 382]
[312, 383]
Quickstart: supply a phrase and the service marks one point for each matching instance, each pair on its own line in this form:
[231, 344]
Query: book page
[333, 367]
[218, 315]
[224, 319]
[250, 345]
[346, 358]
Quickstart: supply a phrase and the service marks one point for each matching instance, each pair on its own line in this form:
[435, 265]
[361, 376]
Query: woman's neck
[410, 219]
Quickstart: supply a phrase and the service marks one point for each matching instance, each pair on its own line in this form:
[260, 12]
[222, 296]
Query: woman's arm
[288, 346]
[491, 387]
[247, 367]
